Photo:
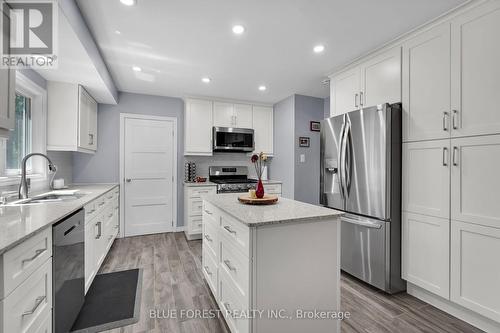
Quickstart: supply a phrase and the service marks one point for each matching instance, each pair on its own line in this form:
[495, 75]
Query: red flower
[254, 158]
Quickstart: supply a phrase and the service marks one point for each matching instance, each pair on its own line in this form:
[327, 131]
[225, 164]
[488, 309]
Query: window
[19, 142]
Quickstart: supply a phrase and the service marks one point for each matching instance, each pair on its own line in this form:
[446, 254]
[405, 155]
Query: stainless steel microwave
[229, 139]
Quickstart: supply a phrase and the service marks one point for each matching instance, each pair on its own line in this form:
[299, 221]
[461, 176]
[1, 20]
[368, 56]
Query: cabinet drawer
[232, 304]
[195, 224]
[210, 270]
[272, 188]
[235, 233]
[100, 203]
[237, 267]
[199, 191]
[195, 207]
[27, 307]
[211, 240]
[211, 214]
[21, 261]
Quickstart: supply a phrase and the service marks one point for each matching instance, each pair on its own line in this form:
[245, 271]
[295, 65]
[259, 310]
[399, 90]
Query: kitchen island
[273, 268]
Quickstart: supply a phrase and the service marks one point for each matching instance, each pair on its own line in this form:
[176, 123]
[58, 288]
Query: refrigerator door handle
[348, 159]
[343, 163]
[339, 159]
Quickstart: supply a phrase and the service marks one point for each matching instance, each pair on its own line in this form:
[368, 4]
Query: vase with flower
[259, 162]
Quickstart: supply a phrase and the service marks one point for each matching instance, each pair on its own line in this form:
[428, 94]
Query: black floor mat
[113, 300]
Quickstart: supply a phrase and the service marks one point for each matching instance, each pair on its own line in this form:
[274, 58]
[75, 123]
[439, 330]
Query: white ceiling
[177, 42]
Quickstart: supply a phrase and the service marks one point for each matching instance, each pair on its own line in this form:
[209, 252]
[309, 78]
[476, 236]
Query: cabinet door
[426, 178]
[243, 115]
[475, 73]
[426, 85]
[224, 115]
[198, 127]
[90, 268]
[344, 92]
[84, 137]
[425, 252]
[381, 79]
[263, 127]
[7, 87]
[475, 184]
[475, 269]
[92, 124]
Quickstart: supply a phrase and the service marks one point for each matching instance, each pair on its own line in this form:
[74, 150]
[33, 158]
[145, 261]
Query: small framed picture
[315, 126]
[304, 141]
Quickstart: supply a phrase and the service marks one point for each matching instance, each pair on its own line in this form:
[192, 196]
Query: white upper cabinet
[475, 185]
[375, 81]
[7, 90]
[263, 127]
[475, 71]
[232, 115]
[381, 79]
[71, 118]
[344, 92]
[426, 85]
[198, 122]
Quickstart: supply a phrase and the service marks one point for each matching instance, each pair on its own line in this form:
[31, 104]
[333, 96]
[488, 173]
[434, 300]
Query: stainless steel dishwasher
[68, 270]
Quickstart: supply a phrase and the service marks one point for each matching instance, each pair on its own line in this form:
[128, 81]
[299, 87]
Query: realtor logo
[29, 34]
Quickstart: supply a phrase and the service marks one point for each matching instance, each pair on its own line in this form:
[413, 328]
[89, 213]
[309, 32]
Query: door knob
[128, 180]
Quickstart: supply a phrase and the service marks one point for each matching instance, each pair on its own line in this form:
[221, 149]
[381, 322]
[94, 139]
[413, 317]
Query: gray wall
[103, 166]
[284, 140]
[307, 173]
[326, 107]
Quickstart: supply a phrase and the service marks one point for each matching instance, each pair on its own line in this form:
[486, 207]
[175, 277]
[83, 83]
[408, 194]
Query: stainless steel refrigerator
[361, 175]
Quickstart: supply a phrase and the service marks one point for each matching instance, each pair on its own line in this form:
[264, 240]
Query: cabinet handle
[445, 155]
[207, 237]
[98, 225]
[228, 264]
[455, 153]
[228, 228]
[455, 115]
[445, 120]
[356, 100]
[208, 212]
[208, 271]
[110, 214]
[39, 300]
[91, 139]
[361, 98]
[37, 254]
[101, 204]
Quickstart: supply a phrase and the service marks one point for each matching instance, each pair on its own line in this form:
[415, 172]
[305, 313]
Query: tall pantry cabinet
[451, 158]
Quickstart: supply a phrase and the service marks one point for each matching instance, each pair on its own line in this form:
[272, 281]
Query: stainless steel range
[231, 179]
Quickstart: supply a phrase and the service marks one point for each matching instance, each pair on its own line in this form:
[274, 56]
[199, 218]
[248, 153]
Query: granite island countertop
[18, 223]
[285, 210]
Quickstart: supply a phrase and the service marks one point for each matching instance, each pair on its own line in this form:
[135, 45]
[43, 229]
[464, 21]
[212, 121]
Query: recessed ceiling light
[118, 32]
[319, 48]
[137, 69]
[128, 2]
[262, 88]
[206, 79]
[238, 29]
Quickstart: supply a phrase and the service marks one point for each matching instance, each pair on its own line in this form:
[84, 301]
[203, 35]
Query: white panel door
[243, 115]
[475, 183]
[426, 178]
[426, 85]
[426, 252]
[198, 122]
[263, 127]
[149, 174]
[475, 268]
[381, 79]
[475, 70]
[224, 115]
[344, 92]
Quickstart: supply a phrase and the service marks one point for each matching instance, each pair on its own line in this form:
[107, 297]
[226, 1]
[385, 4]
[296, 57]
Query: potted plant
[259, 162]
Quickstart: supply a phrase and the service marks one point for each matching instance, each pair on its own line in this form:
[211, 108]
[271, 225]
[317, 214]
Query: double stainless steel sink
[53, 196]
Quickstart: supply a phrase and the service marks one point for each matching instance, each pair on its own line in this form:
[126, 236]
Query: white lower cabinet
[102, 224]
[475, 268]
[425, 252]
[193, 204]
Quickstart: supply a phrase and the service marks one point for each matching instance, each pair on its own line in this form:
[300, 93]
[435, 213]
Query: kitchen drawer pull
[206, 191]
[37, 254]
[455, 115]
[208, 212]
[455, 151]
[228, 264]
[208, 271]
[445, 156]
[356, 100]
[116, 226]
[101, 204]
[98, 225]
[110, 197]
[228, 228]
[110, 214]
[228, 309]
[90, 212]
[445, 120]
[39, 300]
[207, 237]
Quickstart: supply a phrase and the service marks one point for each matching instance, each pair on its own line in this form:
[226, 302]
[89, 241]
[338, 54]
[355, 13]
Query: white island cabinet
[273, 268]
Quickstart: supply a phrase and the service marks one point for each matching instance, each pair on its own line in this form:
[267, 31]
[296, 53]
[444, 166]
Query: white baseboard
[456, 310]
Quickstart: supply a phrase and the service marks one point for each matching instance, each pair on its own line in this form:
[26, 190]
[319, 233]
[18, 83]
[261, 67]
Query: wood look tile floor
[172, 279]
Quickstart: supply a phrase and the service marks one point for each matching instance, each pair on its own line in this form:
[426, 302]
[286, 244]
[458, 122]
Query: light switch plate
[302, 158]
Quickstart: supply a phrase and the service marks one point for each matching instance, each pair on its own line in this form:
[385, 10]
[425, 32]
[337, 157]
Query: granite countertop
[285, 210]
[207, 183]
[17, 223]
